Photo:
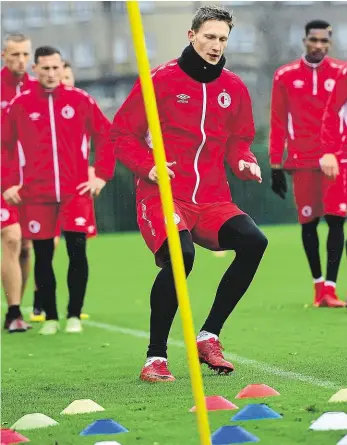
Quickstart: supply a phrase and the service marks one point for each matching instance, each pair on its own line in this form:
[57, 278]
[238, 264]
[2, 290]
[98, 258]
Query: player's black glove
[279, 183]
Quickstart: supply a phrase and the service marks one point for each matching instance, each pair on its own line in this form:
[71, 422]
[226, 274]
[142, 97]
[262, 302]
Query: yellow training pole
[168, 208]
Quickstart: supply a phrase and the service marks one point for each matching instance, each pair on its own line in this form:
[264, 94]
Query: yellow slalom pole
[168, 208]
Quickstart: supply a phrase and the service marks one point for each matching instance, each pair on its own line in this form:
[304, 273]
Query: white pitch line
[263, 367]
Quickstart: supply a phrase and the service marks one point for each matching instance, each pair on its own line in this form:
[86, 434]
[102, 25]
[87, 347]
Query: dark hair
[318, 24]
[44, 51]
[206, 13]
[67, 64]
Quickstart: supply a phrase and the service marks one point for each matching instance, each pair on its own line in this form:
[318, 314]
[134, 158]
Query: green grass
[270, 325]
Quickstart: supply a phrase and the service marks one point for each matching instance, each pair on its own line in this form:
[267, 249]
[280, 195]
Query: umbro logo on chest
[182, 98]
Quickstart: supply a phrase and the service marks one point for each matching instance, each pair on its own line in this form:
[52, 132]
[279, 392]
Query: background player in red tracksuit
[68, 79]
[15, 260]
[334, 139]
[51, 122]
[299, 95]
[206, 118]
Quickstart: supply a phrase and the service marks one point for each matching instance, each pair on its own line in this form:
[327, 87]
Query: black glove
[279, 183]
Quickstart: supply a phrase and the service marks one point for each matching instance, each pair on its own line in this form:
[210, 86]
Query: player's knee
[256, 242]
[11, 238]
[334, 221]
[188, 259]
[25, 249]
[188, 251]
[242, 235]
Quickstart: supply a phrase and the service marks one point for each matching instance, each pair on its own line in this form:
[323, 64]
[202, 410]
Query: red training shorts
[202, 220]
[92, 227]
[317, 195]
[8, 214]
[40, 221]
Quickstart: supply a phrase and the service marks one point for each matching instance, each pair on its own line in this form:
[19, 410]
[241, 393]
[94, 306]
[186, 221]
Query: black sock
[77, 278]
[163, 296]
[37, 301]
[310, 241]
[13, 312]
[335, 245]
[242, 235]
[44, 276]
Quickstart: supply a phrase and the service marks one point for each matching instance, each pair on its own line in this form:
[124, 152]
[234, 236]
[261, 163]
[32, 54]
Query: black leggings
[77, 274]
[240, 234]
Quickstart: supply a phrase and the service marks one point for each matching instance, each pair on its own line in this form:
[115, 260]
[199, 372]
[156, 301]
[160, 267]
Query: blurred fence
[116, 210]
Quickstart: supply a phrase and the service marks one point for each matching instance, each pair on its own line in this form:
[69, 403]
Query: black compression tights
[77, 274]
[335, 243]
[239, 234]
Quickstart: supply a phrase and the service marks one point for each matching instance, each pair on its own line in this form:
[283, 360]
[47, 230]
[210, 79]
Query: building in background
[95, 37]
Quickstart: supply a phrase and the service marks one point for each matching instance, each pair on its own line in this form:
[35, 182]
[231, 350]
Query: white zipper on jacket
[315, 82]
[54, 147]
[19, 84]
[202, 124]
[21, 162]
[19, 146]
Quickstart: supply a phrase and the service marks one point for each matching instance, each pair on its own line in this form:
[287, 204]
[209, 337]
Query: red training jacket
[203, 124]
[334, 126]
[299, 95]
[11, 86]
[53, 127]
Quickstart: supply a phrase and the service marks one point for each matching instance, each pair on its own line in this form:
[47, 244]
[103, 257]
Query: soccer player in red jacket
[334, 139]
[300, 92]
[52, 122]
[68, 79]
[15, 259]
[206, 118]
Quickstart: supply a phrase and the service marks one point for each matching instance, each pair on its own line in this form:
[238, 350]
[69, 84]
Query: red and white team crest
[4, 215]
[306, 211]
[34, 226]
[176, 219]
[329, 84]
[68, 112]
[224, 100]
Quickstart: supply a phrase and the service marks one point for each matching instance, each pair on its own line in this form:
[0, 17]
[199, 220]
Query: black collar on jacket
[197, 68]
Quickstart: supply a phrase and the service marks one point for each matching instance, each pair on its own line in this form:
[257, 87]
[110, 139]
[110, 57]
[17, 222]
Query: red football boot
[16, 325]
[318, 289]
[329, 298]
[157, 371]
[210, 353]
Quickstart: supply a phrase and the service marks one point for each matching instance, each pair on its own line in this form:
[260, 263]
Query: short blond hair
[15, 37]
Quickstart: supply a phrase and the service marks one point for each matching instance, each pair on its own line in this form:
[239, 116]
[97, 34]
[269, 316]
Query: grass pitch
[272, 337]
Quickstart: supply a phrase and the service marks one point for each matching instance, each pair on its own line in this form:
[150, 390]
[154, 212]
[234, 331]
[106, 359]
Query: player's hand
[251, 170]
[329, 165]
[11, 195]
[93, 185]
[279, 182]
[153, 174]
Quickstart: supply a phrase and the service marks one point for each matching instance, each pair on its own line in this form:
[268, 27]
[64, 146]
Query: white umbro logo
[34, 116]
[183, 98]
[298, 83]
[80, 221]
